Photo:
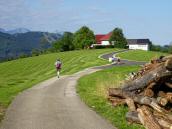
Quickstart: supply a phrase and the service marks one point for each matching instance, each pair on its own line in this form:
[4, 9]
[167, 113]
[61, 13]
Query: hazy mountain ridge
[14, 31]
[2, 30]
[13, 45]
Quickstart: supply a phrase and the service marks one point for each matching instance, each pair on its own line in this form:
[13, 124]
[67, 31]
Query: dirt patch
[2, 112]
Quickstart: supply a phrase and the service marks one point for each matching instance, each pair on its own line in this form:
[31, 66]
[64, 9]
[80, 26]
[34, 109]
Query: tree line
[160, 48]
[81, 39]
[84, 38]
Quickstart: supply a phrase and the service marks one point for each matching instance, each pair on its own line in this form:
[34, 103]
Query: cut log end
[162, 101]
[168, 64]
[149, 93]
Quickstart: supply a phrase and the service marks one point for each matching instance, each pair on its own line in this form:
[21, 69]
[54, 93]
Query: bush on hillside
[83, 38]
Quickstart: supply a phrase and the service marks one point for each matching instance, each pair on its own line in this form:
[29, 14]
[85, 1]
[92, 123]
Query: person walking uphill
[58, 65]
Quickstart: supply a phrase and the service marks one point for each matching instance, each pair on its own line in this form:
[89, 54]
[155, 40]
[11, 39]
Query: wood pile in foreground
[148, 94]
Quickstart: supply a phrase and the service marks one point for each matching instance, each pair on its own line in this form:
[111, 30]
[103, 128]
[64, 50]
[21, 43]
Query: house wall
[105, 43]
[138, 46]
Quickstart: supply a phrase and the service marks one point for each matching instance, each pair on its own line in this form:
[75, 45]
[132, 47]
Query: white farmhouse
[142, 44]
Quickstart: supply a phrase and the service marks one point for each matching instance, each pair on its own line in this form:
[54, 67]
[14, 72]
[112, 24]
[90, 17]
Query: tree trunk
[163, 117]
[169, 97]
[164, 123]
[161, 94]
[147, 119]
[149, 93]
[150, 102]
[130, 104]
[168, 64]
[117, 92]
[117, 101]
[132, 117]
[168, 84]
[146, 79]
[162, 101]
[151, 85]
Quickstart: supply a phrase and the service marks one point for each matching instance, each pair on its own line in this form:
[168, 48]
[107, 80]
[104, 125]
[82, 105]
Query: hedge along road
[54, 104]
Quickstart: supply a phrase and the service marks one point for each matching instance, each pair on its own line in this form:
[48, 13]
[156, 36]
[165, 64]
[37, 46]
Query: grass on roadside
[18, 75]
[141, 55]
[93, 91]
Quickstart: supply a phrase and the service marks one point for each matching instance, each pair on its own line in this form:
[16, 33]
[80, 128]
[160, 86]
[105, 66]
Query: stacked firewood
[148, 94]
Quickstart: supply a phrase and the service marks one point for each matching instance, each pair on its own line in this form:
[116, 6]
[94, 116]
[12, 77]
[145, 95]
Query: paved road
[54, 104]
[123, 62]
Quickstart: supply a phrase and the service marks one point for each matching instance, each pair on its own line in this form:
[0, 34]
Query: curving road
[123, 62]
[54, 104]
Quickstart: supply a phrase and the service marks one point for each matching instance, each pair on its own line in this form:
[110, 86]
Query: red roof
[99, 37]
[106, 37]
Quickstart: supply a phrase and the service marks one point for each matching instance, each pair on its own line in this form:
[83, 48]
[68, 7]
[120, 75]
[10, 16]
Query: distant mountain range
[22, 41]
[14, 31]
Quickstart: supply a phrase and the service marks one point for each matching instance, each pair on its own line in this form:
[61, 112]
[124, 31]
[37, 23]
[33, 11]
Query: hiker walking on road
[118, 60]
[58, 65]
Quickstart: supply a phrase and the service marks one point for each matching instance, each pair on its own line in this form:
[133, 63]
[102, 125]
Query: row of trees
[84, 38]
[81, 39]
[159, 48]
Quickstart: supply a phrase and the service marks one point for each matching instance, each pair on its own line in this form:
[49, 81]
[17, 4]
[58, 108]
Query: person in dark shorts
[118, 60]
[58, 65]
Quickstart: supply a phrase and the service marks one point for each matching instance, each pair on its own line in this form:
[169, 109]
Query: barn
[142, 44]
[103, 39]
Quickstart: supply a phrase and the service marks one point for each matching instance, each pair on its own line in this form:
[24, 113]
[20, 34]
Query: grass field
[140, 55]
[18, 75]
[93, 91]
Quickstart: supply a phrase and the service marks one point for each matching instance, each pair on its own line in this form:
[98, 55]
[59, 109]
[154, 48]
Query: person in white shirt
[58, 65]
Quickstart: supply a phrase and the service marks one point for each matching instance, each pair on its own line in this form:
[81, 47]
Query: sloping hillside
[23, 43]
[21, 74]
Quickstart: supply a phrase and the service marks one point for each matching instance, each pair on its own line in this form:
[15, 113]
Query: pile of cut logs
[148, 95]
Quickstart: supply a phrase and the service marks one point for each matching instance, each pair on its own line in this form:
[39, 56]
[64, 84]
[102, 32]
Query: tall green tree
[65, 43]
[170, 48]
[83, 38]
[118, 39]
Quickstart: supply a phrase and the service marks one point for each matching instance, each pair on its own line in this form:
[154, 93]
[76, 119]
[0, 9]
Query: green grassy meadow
[141, 55]
[18, 75]
[93, 91]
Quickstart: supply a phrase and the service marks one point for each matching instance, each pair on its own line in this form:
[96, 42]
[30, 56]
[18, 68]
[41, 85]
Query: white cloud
[12, 12]
[18, 13]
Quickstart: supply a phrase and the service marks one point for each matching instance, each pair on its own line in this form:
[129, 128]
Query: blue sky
[138, 18]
